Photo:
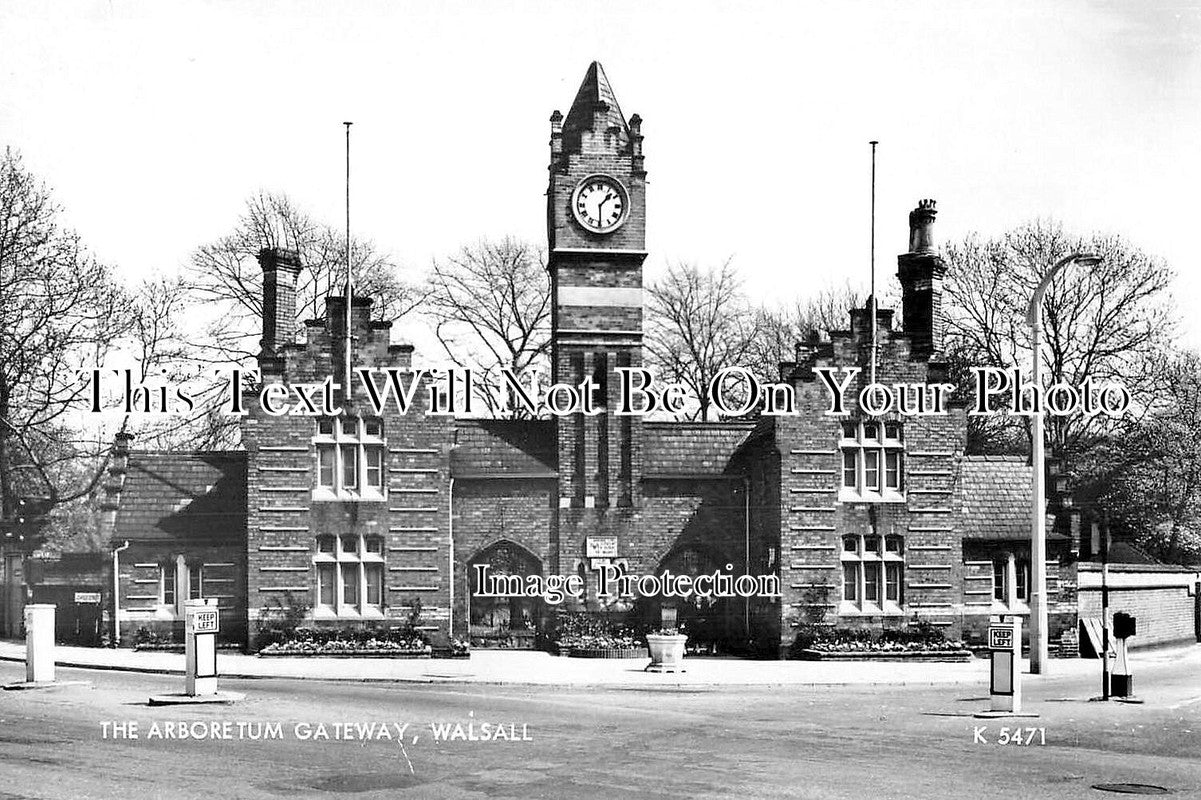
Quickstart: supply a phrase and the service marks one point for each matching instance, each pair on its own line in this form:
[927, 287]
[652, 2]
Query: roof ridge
[186, 453]
[997, 457]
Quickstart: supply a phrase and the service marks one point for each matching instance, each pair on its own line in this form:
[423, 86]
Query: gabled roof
[504, 448]
[595, 90]
[691, 449]
[993, 496]
[199, 497]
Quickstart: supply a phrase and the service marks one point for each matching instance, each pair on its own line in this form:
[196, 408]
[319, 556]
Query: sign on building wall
[87, 597]
[601, 547]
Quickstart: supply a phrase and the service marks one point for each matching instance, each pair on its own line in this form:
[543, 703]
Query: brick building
[362, 518]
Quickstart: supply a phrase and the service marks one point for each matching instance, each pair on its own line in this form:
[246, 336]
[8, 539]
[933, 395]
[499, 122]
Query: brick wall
[815, 519]
[979, 609]
[224, 571]
[1160, 598]
[285, 517]
[493, 510]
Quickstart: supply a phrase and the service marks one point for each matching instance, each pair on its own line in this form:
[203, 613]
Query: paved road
[676, 741]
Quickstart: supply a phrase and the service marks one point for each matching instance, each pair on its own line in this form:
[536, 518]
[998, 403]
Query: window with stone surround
[180, 580]
[872, 461]
[166, 585]
[1011, 581]
[873, 574]
[350, 576]
[350, 458]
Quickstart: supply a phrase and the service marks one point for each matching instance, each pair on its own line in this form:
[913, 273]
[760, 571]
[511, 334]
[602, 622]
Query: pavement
[542, 669]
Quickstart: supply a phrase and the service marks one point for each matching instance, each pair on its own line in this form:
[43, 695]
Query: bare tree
[60, 312]
[225, 275]
[699, 322]
[162, 348]
[490, 304]
[781, 327]
[1107, 322]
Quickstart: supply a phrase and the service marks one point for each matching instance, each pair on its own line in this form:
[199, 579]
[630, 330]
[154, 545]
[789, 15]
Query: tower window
[600, 381]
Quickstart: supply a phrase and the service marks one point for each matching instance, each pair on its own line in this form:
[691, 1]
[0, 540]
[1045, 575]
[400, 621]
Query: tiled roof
[594, 90]
[499, 448]
[1125, 552]
[993, 497]
[691, 448]
[187, 496]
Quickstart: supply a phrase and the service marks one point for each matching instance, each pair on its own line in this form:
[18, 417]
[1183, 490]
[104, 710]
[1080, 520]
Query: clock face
[600, 204]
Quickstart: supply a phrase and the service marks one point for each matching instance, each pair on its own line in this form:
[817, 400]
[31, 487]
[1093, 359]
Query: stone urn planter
[667, 652]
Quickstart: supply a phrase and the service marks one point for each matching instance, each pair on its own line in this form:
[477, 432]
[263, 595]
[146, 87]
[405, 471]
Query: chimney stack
[280, 269]
[921, 272]
[921, 227]
[556, 140]
[118, 468]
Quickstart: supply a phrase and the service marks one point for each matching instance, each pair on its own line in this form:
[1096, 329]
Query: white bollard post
[39, 643]
[1005, 685]
[201, 623]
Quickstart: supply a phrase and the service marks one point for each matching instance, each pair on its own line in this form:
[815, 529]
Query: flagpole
[349, 274]
[873, 258]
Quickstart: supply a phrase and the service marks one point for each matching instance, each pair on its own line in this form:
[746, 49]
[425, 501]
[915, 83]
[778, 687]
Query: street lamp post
[1039, 650]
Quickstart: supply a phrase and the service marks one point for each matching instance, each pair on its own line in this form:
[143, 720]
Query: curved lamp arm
[1036, 301]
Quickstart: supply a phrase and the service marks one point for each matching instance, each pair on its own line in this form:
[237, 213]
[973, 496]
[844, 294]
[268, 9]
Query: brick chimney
[921, 272]
[118, 468]
[280, 269]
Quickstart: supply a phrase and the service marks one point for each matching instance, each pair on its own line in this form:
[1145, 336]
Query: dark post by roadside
[1105, 607]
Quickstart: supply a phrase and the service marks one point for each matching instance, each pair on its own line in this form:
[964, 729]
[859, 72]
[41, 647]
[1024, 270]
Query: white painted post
[39, 643]
[1005, 686]
[201, 623]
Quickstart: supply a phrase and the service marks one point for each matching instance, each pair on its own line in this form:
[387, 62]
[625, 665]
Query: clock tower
[596, 225]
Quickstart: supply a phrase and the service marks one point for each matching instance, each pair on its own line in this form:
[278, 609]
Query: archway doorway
[508, 622]
[712, 624]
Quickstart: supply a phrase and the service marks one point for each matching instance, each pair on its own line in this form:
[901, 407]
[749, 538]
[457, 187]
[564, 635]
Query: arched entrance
[510, 622]
[711, 623]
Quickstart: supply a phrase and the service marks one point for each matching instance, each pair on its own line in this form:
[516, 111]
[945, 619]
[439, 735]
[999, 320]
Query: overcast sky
[154, 121]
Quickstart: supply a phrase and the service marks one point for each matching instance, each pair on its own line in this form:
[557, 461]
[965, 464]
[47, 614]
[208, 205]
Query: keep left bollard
[1005, 670]
[1005, 667]
[200, 646]
[202, 622]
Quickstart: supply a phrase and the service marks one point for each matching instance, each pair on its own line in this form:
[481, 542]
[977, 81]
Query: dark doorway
[508, 622]
[77, 613]
[712, 624]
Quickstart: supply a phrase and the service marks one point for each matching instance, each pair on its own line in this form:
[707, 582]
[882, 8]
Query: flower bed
[335, 650]
[884, 655]
[149, 640]
[581, 636]
[178, 647]
[396, 642]
[503, 640]
[606, 652]
[918, 642]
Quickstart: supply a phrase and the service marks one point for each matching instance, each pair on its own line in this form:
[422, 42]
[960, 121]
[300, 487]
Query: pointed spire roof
[594, 91]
